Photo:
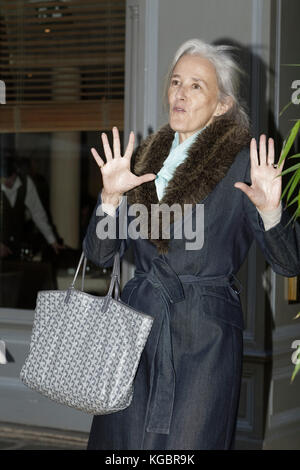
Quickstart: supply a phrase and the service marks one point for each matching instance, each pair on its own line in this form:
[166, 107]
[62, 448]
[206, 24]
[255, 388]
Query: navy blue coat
[187, 387]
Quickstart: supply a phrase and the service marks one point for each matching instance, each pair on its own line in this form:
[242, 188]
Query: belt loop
[232, 279]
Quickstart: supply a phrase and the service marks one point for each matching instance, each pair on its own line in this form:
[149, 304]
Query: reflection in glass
[63, 67]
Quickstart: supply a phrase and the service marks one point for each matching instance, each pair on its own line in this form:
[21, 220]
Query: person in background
[29, 167]
[18, 194]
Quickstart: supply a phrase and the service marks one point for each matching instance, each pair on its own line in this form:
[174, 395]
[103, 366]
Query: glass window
[62, 63]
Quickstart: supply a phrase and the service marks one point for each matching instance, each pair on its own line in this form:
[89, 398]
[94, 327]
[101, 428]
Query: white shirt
[34, 205]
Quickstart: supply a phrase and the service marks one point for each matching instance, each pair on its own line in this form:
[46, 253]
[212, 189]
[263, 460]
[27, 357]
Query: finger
[280, 168]
[145, 178]
[106, 147]
[262, 150]
[116, 143]
[245, 188]
[97, 157]
[130, 146]
[253, 153]
[271, 152]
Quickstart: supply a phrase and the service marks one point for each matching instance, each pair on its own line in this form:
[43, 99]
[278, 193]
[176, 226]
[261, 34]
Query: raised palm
[265, 190]
[116, 174]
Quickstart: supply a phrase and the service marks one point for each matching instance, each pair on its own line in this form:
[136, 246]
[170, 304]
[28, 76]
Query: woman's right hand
[116, 175]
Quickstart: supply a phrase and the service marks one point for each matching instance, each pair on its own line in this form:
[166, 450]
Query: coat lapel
[206, 164]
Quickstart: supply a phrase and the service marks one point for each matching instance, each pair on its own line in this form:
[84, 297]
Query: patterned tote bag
[84, 349]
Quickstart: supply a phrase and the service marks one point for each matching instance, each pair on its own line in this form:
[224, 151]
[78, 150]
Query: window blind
[63, 64]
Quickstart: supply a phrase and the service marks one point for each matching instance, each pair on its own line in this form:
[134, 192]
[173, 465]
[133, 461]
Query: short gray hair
[227, 71]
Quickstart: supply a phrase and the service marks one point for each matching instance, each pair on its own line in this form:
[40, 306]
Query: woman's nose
[180, 93]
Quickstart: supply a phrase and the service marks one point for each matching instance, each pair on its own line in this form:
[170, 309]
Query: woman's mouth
[178, 109]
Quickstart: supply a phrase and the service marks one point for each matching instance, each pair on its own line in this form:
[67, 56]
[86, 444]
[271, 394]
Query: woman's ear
[223, 106]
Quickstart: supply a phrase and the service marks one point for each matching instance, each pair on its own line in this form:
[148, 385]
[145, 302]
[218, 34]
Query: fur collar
[207, 162]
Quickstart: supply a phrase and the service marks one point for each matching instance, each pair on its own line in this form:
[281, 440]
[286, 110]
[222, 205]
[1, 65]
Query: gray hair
[227, 71]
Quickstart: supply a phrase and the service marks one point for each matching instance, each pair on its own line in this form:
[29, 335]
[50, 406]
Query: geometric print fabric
[82, 357]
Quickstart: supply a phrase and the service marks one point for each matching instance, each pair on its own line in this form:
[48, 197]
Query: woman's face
[193, 95]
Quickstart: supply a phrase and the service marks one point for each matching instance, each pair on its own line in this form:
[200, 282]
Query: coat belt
[162, 374]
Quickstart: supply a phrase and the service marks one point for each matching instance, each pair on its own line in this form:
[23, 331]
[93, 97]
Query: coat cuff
[110, 209]
[271, 218]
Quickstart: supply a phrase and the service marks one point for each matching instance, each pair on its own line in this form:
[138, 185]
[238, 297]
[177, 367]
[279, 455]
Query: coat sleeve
[106, 235]
[99, 249]
[281, 244]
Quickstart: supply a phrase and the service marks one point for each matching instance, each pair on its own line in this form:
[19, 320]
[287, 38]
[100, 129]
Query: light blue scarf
[177, 155]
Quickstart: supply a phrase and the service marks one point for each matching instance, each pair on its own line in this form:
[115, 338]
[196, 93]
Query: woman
[187, 385]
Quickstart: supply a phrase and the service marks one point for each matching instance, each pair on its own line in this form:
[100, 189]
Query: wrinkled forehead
[196, 68]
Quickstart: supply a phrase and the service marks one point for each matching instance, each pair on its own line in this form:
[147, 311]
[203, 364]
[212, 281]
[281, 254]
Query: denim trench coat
[187, 386]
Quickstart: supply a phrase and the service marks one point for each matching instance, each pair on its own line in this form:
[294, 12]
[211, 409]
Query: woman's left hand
[265, 190]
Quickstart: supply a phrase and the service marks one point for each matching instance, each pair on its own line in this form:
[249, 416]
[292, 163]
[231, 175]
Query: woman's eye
[196, 86]
[175, 82]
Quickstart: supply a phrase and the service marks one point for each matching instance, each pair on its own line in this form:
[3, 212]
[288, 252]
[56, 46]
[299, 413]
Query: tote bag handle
[115, 277]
